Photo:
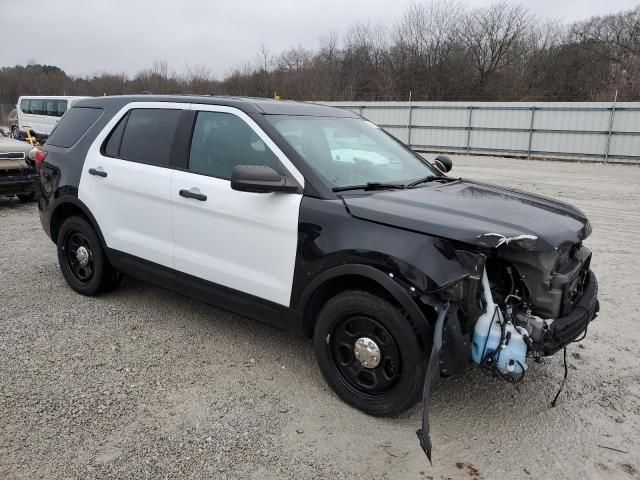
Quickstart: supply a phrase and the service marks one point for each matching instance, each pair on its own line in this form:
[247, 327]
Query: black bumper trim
[14, 184]
[565, 330]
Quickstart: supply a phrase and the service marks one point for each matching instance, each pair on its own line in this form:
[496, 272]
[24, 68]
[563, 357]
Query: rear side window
[36, 107]
[73, 126]
[55, 108]
[144, 135]
[49, 107]
[62, 107]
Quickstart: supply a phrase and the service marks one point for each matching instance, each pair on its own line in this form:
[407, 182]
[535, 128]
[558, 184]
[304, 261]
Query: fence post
[469, 130]
[533, 114]
[361, 109]
[608, 144]
[409, 127]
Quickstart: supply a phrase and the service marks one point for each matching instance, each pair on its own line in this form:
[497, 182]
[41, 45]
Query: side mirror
[260, 179]
[443, 163]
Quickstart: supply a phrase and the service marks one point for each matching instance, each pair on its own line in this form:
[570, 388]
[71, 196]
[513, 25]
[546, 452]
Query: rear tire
[392, 382]
[83, 262]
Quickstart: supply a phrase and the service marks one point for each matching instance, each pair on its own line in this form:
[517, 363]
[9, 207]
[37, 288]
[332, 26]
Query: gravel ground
[147, 383]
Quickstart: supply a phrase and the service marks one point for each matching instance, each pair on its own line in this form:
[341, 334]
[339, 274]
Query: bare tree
[490, 35]
[426, 41]
[199, 79]
[437, 50]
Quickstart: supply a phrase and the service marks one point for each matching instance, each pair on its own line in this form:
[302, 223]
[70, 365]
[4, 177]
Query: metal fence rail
[600, 131]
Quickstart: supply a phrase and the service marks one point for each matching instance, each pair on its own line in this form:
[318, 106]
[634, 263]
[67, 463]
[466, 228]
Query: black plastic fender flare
[385, 280]
[76, 202]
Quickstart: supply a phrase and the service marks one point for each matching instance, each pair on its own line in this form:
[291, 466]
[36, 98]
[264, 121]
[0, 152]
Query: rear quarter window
[147, 136]
[73, 125]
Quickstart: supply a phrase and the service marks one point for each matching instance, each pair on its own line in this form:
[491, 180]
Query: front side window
[148, 136]
[350, 151]
[25, 106]
[221, 141]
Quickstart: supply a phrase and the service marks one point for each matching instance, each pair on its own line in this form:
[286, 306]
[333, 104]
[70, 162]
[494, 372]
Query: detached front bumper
[565, 330]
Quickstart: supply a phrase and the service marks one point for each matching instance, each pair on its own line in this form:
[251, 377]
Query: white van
[42, 114]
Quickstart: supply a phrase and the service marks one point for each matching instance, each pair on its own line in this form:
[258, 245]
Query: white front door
[126, 180]
[241, 240]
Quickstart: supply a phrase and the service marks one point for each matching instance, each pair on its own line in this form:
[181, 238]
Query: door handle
[99, 173]
[197, 196]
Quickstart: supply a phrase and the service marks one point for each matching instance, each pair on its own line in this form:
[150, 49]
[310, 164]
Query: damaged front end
[520, 299]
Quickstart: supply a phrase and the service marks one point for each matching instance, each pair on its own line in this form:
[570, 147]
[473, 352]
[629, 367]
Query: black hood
[476, 213]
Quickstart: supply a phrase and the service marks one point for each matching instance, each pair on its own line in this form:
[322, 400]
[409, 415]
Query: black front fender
[402, 294]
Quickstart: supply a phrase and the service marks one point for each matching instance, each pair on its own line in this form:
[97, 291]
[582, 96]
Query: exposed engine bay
[532, 306]
[517, 304]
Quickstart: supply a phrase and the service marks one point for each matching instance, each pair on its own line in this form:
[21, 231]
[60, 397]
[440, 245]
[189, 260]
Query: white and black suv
[315, 220]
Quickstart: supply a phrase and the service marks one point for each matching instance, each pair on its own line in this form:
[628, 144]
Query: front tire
[83, 262]
[369, 353]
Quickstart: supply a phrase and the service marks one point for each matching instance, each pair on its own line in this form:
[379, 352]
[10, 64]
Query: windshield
[350, 151]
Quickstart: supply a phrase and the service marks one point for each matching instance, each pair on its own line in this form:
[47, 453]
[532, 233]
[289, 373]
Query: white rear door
[126, 181]
[241, 240]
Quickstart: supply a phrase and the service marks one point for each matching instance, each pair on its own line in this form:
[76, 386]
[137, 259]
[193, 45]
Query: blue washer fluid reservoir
[487, 334]
[512, 357]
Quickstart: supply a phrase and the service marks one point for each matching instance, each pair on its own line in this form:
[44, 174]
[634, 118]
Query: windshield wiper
[370, 186]
[431, 178]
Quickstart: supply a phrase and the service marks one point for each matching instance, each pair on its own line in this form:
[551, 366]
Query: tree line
[437, 50]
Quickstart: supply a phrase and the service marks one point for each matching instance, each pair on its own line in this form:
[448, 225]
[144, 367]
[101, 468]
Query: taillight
[40, 156]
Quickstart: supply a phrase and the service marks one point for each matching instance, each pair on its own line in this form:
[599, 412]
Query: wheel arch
[370, 279]
[69, 207]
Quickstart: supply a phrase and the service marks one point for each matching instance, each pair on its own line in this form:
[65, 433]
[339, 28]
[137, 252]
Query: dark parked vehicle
[17, 173]
[315, 220]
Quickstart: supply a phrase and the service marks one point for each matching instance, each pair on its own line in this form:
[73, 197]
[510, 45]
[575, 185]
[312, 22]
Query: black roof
[246, 104]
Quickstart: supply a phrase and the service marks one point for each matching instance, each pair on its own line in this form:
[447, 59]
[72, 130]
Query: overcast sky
[90, 36]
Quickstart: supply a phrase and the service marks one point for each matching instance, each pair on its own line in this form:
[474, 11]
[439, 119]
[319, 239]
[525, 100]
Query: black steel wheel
[83, 262]
[375, 375]
[369, 353]
[79, 255]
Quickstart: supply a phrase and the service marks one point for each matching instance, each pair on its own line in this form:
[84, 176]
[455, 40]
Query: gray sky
[90, 36]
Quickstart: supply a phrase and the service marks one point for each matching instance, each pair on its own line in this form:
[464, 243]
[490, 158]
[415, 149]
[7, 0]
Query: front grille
[12, 156]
